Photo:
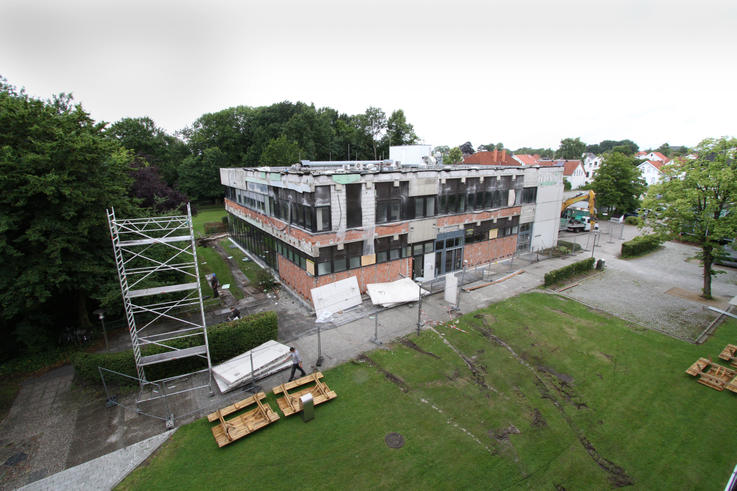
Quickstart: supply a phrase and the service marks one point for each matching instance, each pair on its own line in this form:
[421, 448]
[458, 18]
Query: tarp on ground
[336, 297]
[394, 292]
[268, 358]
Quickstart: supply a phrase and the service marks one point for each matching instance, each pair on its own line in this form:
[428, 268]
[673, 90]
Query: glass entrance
[449, 252]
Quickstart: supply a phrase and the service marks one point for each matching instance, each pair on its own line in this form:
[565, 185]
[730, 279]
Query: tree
[455, 156]
[150, 145]
[665, 149]
[58, 174]
[280, 151]
[373, 123]
[695, 200]
[199, 175]
[153, 192]
[617, 183]
[399, 131]
[467, 149]
[570, 148]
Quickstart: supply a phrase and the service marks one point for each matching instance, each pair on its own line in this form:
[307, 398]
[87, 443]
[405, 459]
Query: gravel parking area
[638, 289]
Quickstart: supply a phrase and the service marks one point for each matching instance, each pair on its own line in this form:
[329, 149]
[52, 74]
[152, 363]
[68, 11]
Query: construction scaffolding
[159, 278]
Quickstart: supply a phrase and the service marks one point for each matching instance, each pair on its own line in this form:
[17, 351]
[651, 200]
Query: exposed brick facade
[302, 282]
[489, 250]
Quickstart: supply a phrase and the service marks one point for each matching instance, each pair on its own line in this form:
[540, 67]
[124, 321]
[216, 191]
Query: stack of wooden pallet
[712, 375]
[290, 402]
[249, 420]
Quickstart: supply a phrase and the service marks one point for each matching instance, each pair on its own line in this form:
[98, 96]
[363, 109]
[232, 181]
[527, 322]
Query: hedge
[558, 275]
[226, 340]
[215, 227]
[641, 245]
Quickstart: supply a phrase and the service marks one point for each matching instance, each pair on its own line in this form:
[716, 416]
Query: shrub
[264, 280]
[214, 227]
[641, 245]
[571, 246]
[632, 220]
[226, 340]
[558, 275]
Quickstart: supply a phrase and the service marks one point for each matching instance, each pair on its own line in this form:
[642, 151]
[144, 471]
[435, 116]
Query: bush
[226, 340]
[214, 227]
[641, 245]
[558, 275]
[571, 246]
[264, 280]
[632, 220]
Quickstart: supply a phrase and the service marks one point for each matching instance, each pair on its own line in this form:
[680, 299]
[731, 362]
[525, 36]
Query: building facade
[318, 222]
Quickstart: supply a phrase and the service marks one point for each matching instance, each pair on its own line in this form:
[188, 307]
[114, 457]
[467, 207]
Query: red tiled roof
[528, 159]
[661, 156]
[655, 163]
[570, 166]
[641, 153]
[495, 157]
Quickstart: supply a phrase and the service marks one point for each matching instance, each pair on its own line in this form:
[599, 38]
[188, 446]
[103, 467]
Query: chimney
[504, 156]
[494, 159]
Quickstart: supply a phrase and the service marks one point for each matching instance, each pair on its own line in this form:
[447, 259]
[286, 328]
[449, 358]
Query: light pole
[419, 304]
[375, 339]
[460, 285]
[322, 318]
[100, 313]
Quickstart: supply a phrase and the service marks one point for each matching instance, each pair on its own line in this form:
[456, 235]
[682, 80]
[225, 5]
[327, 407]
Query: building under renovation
[318, 222]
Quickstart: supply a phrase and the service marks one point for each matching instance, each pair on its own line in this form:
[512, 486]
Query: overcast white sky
[523, 72]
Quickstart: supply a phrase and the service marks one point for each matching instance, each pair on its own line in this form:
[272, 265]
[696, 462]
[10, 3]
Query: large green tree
[618, 184]
[373, 123]
[570, 149]
[151, 145]
[399, 131]
[697, 199]
[280, 151]
[455, 156]
[58, 174]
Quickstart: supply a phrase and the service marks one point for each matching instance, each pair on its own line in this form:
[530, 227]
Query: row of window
[312, 211]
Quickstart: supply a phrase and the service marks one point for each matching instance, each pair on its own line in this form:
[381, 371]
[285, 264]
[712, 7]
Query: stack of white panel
[269, 358]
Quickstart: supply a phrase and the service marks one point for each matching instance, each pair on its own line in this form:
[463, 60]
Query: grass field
[536, 392]
[249, 268]
[206, 214]
[211, 262]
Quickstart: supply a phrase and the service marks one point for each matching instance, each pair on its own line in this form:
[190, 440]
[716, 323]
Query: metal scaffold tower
[156, 260]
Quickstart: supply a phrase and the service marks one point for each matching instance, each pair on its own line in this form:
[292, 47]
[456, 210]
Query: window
[354, 216]
[389, 249]
[424, 206]
[389, 201]
[354, 251]
[529, 195]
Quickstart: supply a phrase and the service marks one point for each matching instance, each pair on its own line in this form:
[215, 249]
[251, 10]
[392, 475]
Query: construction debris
[290, 402]
[262, 361]
[228, 431]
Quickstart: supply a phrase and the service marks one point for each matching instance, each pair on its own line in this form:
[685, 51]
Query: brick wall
[489, 250]
[302, 283]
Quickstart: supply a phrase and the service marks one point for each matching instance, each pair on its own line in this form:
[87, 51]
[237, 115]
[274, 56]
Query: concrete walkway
[104, 472]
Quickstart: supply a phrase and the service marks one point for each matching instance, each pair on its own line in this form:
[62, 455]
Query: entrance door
[449, 252]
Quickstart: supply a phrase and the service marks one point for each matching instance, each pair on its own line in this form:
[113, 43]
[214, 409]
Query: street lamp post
[460, 285]
[419, 304]
[101, 315]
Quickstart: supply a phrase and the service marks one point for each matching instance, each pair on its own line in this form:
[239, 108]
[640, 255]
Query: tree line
[60, 170]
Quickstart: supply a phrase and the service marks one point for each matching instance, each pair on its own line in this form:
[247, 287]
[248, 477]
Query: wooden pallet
[698, 367]
[290, 402]
[728, 354]
[717, 377]
[228, 431]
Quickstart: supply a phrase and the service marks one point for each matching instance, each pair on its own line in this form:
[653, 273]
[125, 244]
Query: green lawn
[206, 214]
[550, 394]
[211, 262]
[249, 268]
